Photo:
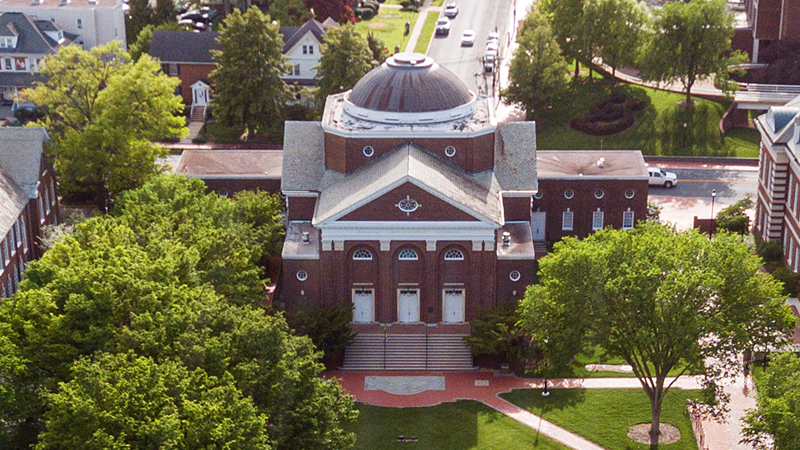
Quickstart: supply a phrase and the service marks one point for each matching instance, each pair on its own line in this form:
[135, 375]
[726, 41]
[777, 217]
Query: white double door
[363, 305]
[408, 305]
[453, 305]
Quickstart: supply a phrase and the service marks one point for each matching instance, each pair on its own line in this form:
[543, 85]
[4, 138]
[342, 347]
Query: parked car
[658, 177]
[489, 63]
[493, 37]
[443, 27]
[492, 47]
[451, 10]
[468, 38]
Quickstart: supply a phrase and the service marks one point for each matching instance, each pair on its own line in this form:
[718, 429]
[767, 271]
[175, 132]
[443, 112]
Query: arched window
[362, 255]
[408, 255]
[454, 254]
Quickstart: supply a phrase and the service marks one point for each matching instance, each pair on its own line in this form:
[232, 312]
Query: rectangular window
[10, 286]
[41, 210]
[305, 49]
[566, 220]
[3, 293]
[80, 23]
[46, 200]
[627, 220]
[24, 234]
[15, 236]
[5, 251]
[8, 65]
[2, 43]
[296, 69]
[597, 220]
[53, 191]
[174, 70]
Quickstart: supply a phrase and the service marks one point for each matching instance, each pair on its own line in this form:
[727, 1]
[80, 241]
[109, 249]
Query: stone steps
[408, 352]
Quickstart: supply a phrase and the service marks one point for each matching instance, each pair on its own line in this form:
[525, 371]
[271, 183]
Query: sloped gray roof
[31, 39]
[183, 46]
[515, 156]
[20, 79]
[21, 155]
[12, 202]
[303, 156]
[316, 28]
[408, 163]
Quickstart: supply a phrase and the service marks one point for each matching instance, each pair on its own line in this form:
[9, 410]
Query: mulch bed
[641, 433]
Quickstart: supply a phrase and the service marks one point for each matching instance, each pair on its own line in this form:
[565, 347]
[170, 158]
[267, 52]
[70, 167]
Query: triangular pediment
[419, 173]
[411, 203]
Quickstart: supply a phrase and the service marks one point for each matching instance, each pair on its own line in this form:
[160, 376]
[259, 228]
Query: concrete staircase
[539, 249]
[408, 352]
[198, 114]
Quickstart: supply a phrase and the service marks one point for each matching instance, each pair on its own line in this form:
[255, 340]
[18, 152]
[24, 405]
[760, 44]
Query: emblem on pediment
[408, 205]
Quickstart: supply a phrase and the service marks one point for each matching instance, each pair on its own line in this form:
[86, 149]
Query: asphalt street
[483, 17]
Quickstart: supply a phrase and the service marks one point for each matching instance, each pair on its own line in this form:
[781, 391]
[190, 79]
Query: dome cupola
[410, 88]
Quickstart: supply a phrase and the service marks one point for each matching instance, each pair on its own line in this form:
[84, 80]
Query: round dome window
[569, 193]
[302, 275]
[368, 151]
[450, 151]
[515, 275]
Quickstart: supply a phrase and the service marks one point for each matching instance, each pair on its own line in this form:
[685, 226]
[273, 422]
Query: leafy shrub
[327, 326]
[496, 333]
[769, 251]
[364, 13]
[611, 116]
[789, 279]
[734, 219]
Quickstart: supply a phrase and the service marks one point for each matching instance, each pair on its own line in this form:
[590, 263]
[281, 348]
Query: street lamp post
[713, 197]
[545, 393]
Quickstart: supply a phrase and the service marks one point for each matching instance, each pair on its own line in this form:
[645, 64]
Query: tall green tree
[124, 401]
[345, 58]
[247, 86]
[103, 112]
[773, 424]
[172, 275]
[566, 22]
[734, 218]
[138, 16]
[289, 12]
[690, 42]
[617, 28]
[537, 72]
[165, 12]
[378, 49]
[661, 300]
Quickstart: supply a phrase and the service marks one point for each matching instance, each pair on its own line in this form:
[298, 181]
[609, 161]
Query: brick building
[227, 172]
[28, 201]
[769, 21]
[778, 203]
[409, 200]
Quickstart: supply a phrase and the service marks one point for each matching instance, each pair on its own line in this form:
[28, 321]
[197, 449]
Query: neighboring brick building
[778, 203]
[227, 172]
[28, 201]
[770, 21]
[584, 191]
[187, 55]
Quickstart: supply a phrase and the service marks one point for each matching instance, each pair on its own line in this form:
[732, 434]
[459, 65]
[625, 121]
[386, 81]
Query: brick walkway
[485, 387]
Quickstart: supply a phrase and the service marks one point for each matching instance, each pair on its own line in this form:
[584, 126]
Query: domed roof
[410, 83]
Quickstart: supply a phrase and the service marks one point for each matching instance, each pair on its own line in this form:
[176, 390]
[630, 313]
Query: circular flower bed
[613, 115]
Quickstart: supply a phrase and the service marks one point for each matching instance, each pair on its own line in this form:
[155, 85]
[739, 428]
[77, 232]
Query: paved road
[692, 196]
[481, 16]
[699, 182]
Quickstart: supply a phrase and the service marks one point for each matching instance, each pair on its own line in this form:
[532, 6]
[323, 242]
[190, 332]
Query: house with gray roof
[28, 201]
[24, 42]
[187, 55]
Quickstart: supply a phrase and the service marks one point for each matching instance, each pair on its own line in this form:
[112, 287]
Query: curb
[703, 160]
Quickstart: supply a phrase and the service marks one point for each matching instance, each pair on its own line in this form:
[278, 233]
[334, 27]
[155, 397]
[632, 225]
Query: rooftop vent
[600, 163]
[506, 238]
[306, 237]
[64, 3]
[36, 2]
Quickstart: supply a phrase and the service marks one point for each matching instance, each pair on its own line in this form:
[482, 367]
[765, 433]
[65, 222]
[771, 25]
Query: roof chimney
[506, 238]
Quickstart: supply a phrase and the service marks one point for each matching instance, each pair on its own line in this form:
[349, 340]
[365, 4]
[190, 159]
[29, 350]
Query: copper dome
[410, 83]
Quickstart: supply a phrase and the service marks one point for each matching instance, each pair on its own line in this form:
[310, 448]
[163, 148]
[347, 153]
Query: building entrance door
[363, 306]
[453, 305]
[408, 305]
[538, 220]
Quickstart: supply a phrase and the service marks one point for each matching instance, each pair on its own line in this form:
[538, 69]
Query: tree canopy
[616, 28]
[773, 424]
[338, 10]
[566, 21]
[102, 112]
[169, 284]
[537, 70]
[734, 218]
[661, 300]
[289, 12]
[247, 86]
[345, 58]
[690, 42]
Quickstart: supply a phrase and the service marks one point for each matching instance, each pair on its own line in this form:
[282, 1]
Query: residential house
[24, 41]
[187, 55]
[94, 22]
[28, 201]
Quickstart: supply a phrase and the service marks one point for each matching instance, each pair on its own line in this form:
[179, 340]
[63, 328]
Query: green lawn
[389, 26]
[427, 31]
[460, 425]
[663, 128]
[604, 415]
[437, 3]
[744, 141]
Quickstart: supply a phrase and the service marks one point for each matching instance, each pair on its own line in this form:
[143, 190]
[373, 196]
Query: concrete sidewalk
[420, 24]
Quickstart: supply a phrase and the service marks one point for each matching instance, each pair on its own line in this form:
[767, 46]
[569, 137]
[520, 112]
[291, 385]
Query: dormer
[9, 38]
